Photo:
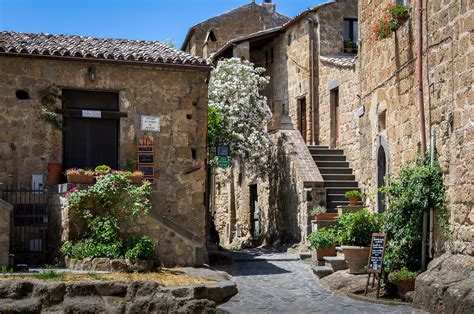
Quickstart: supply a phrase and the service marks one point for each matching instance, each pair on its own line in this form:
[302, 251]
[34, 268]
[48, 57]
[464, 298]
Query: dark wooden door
[334, 102]
[302, 124]
[255, 211]
[89, 142]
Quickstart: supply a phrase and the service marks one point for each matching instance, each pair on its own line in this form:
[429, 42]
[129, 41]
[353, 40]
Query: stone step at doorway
[337, 175]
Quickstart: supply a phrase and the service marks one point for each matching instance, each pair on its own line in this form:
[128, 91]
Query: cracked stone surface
[271, 282]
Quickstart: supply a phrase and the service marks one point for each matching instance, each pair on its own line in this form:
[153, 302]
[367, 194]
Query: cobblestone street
[280, 283]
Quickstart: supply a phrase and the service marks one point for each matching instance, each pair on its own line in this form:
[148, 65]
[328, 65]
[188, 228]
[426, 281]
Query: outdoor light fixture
[91, 73]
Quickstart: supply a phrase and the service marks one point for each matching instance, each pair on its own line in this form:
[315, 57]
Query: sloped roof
[77, 47]
[278, 19]
[343, 60]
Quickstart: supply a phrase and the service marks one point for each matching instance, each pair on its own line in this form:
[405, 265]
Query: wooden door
[90, 142]
[302, 124]
[335, 117]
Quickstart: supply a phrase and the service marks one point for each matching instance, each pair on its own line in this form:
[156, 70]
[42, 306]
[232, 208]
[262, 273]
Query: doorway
[334, 103]
[90, 136]
[382, 173]
[254, 211]
[302, 123]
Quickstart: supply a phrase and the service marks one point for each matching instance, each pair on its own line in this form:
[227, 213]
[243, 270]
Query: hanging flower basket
[393, 17]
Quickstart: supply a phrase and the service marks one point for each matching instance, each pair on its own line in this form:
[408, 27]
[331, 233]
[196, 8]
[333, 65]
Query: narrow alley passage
[280, 283]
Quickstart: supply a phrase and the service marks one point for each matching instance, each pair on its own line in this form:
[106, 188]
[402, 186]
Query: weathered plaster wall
[179, 97]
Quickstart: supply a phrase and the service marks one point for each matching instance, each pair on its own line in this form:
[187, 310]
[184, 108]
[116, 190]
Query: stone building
[207, 37]
[297, 55]
[106, 87]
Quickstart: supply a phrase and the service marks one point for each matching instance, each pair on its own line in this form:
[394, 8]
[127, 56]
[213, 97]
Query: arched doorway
[382, 173]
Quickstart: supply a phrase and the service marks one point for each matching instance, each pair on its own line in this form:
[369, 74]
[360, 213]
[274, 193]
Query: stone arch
[382, 171]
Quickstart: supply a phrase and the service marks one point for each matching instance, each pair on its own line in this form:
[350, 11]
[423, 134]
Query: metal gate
[29, 223]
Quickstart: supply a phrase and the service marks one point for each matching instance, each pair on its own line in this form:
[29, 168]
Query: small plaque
[145, 158]
[95, 114]
[223, 162]
[147, 170]
[360, 111]
[150, 123]
[222, 150]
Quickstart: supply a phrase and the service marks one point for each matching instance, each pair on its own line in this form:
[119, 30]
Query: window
[350, 35]
[402, 2]
[210, 36]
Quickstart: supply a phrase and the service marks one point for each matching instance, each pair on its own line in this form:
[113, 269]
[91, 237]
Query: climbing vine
[48, 97]
[418, 188]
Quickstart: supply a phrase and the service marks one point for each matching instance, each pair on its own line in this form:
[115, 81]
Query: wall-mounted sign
[223, 161]
[95, 114]
[360, 111]
[147, 170]
[145, 158]
[150, 123]
[222, 150]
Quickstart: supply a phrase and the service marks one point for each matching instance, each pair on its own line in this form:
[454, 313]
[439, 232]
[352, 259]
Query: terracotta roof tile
[95, 48]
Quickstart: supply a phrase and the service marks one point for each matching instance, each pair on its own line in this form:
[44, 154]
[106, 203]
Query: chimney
[269, 6]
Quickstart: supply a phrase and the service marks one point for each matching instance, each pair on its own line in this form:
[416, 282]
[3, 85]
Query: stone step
[329, 158]
[337, 164]
[335, 170]
[325, 151]
[331, 183]
[338, 177]
[337, 263]
[322, 271]
[305, 255]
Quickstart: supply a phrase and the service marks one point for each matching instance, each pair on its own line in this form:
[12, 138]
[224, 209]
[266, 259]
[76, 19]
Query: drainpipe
[432, 153]
[313, 93]
[422, 116]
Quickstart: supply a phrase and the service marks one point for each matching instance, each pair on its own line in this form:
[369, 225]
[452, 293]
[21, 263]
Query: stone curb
[376, 301]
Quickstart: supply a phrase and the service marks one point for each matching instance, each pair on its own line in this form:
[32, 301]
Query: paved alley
[280, 283]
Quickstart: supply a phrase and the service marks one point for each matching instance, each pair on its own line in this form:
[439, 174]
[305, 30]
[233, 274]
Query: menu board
[377, 250]
[146, 159]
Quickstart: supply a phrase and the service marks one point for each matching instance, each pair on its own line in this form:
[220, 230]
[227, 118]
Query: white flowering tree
[238, 113]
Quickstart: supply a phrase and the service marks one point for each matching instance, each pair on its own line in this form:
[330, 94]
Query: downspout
[312, 80]
[422, 117]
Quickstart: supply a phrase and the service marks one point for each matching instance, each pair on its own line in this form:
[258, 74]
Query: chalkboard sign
[377, 250]
[147, 170]
[145, 159]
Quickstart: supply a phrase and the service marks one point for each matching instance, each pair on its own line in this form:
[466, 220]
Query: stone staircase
[338, 177]
[330, 264]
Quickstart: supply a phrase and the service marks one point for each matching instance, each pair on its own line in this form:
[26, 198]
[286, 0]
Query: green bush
[401, 275]
[356, 228]
[418, 188]
[318, 210]
[140, 248]
[322, 238]
[104, 229]
[102, 169]
[88, 248]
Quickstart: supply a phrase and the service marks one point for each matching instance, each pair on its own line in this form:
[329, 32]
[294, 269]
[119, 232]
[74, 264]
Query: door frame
[302, 117]
[334, 116]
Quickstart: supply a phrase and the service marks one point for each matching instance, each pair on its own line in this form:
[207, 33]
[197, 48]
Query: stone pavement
[271, 282]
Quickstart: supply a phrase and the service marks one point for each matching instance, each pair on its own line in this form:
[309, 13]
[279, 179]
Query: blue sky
[163, 20]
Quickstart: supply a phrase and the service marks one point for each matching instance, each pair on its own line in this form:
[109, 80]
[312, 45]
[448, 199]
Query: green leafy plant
[398, 12]
[104, 229]
[393, 16]
[48, 273]
[357, 228]
[354, 193]
[48, 97]
[89, 248]
[418, 188]
[318, 210]
[322, 238]
[103, 169]
[402, 275]
[349, 44]
[140, 248]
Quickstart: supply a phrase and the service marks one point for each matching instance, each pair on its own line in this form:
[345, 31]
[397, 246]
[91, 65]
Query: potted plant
[319, 213]
[135, 177]
[354, 197]
[101, 170]
[354, 233]
[324, 242]
[404, 279]
[75, 175]
[350, 46]
[399, 13]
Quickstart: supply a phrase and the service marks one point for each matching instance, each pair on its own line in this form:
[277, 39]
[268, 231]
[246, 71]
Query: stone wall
[178, 96]
[5, 213]
[247, 19]
[391, 90]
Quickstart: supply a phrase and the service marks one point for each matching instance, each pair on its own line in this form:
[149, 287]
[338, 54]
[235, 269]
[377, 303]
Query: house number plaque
[91, 114]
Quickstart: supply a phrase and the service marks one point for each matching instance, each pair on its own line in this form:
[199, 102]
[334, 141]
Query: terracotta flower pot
[54, 173]
[136, 179]
[329, 251]
[353, 201]
[325, 216]
[356, 258]
[405, 286]
[80, 178]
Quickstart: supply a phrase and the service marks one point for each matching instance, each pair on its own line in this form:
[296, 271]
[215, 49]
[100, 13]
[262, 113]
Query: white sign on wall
[150, 123]
[91, 114]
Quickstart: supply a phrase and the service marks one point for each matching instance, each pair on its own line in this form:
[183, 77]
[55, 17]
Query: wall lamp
[91, 73]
